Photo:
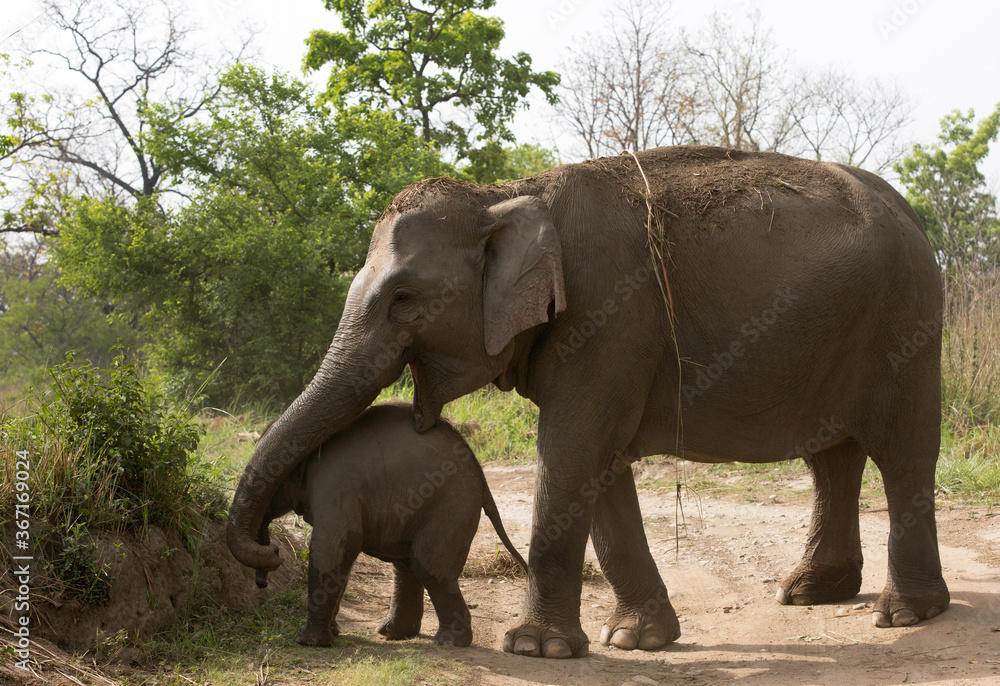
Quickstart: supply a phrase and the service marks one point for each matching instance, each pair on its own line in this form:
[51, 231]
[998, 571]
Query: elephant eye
[404, 306]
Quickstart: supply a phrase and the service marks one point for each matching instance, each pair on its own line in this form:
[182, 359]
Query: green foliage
[253, 272]
[498, 426]
[41, 319]
[495, 163]
[948, 191]
[77, 566]
[138, 443]
[427, 60]
[106, 451]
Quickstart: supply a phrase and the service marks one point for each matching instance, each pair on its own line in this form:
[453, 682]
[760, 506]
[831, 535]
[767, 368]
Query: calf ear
[523, 270]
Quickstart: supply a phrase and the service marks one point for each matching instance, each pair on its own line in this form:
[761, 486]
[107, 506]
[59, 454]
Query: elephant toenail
[624, 639]
[605, 635]
[904, 618]
[556, 648]
[881, 620]
[933, 612]
[652, 640]
[782, 597]
[525, 645]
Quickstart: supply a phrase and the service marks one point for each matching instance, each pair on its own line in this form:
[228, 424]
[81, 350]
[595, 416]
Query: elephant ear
[523, 270]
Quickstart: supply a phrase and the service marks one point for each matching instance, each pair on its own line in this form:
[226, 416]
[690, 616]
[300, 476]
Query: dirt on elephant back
[722, 582]
[697, 180]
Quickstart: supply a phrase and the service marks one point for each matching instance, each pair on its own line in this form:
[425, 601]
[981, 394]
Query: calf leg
[335, 545]
[407, 607]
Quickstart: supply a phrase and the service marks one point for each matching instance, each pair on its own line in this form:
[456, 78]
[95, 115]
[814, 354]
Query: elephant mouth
[426, 411]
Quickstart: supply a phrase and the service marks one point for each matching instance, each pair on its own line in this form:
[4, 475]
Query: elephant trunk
[350, 378]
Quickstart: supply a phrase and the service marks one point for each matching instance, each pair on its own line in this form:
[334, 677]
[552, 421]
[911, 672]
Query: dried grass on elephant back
[706, 181]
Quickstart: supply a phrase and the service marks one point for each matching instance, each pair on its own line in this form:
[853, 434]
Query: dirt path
[722, 585]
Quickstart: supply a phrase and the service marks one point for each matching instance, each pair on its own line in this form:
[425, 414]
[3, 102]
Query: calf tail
[490, 507]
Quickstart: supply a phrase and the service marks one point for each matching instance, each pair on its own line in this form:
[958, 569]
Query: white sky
[946, 55]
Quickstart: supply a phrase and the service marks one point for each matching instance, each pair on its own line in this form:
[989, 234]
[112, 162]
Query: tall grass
[100, 450]
[970, 363]
[498, 425]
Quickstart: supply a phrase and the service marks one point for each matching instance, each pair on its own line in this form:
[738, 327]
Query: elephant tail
[490, 507]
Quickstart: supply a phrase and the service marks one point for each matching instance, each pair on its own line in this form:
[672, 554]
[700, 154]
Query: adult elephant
[800, 317]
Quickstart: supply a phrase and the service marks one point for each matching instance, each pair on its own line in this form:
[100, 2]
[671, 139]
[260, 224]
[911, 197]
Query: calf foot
[395, 629]
[895, 608]
[814, 584]
[538, 639]
[649, 627]
[316, 635]
[450, 637]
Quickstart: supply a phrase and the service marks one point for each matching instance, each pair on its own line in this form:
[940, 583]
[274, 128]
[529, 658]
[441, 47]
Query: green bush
[107, 451]
[77, 566]
[127, 432]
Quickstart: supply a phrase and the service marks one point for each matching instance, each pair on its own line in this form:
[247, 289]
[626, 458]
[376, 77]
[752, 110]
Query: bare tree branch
[124, 56]
[620, 91]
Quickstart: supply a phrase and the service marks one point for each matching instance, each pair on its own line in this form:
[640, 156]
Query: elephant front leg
[643, 617]
[550, 621]
[407, 607]
[331, 556]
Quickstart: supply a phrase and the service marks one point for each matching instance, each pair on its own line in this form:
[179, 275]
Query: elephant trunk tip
[250, 553]
[261, 578]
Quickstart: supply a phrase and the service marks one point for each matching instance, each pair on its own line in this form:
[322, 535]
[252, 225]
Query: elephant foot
[448, 637]
[538, 639]
[629, 629]
[813, 584]
[317, 636]
[396, 629]
[898, 609]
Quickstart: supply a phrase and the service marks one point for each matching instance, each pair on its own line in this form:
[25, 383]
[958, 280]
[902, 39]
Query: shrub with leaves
[107, 450]
[126, 432]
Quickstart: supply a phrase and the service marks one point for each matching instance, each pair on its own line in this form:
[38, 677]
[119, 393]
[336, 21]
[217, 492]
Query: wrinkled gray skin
[807, 323]
[411, 499]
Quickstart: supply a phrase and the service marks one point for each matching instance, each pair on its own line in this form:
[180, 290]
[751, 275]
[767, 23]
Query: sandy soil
[722, 585]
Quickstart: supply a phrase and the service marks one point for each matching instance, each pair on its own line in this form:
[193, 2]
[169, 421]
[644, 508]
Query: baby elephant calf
[411, 499]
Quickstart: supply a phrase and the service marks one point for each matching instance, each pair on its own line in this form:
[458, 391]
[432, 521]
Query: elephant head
[454, 273]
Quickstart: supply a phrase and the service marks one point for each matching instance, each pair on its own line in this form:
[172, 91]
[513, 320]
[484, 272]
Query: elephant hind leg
[915, 589]
[830, 569]
[407, 607]
[454, 619]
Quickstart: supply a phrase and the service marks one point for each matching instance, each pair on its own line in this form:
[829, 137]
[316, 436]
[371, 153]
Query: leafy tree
[431, 58]
[252, 273]
[948, 191]
[495, 163]
[41, 319]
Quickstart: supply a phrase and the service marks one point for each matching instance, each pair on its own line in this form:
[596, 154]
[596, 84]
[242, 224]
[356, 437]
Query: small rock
[843, 611]
[641, 679]
[859, 606]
